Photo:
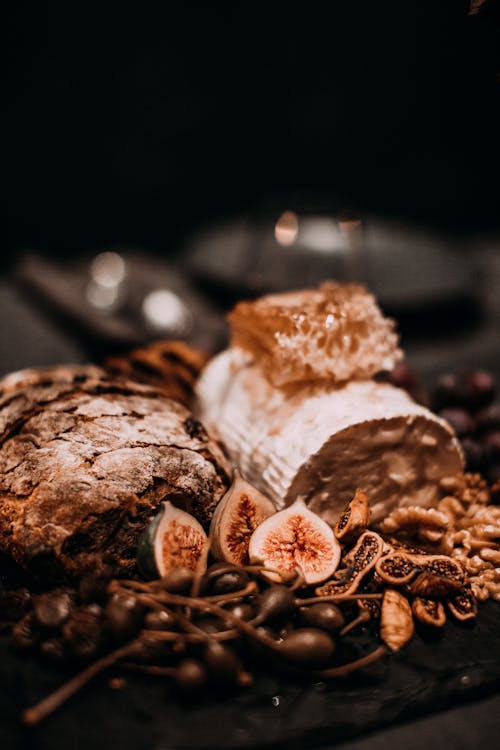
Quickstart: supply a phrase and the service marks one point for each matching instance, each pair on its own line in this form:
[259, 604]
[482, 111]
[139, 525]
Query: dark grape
[459, 419]
[447, 392]
[402, 376]
[474, 454]
[479, 389]
[488, 418]
[491, 444]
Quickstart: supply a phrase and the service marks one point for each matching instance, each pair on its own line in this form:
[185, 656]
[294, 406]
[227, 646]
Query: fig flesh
[236, 517]
[296, 538]
[174, 539]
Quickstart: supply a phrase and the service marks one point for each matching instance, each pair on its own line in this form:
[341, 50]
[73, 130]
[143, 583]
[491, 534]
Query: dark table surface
[29, 337]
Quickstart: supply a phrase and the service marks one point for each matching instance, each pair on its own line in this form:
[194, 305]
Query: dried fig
[355, 518]
[296, 538]
[174, 539]
[396, 620]
[429, 611]
[236, 517]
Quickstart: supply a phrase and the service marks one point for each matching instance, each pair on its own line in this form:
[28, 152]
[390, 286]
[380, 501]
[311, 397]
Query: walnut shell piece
[85, 461]
[396, 620]
[428, 523]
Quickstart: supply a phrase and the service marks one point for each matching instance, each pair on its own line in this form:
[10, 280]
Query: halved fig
[174, 539]
[296, 538]
[236, 517]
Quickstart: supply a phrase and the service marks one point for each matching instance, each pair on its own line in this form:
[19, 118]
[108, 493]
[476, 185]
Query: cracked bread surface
[85, 461]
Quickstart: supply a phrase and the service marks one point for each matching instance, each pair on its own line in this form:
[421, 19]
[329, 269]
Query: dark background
[140, 124]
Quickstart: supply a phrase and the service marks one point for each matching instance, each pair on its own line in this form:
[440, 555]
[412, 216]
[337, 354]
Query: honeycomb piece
[334, 333]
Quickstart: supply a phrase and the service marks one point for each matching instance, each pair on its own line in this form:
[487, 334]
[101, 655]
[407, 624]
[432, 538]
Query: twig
[40, 711]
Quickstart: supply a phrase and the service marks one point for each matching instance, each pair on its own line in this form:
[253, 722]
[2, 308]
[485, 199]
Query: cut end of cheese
[335, 333]
[324, 443]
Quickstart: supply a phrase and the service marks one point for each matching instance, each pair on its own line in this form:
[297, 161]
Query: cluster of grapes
[467, 401]
[213, 631]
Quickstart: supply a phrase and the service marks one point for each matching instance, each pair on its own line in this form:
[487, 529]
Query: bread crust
[85, 461]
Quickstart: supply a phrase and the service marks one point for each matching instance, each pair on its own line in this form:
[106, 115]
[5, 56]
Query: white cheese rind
[324, 442]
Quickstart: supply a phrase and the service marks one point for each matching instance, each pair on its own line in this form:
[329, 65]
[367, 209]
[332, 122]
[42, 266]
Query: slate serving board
[431, 673]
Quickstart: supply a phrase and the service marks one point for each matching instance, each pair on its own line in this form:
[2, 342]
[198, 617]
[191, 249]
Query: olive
[93, 588]
[82, 633]
[190, 676]
[222, 663]
[217, 568]
[14, 604]
[324, 615]
[160, 620]
[268, 632]
[231, 580]
[243, 610]
[276, 603]
[210, 625]
[24, 633]
[307, 647]
[148, 651]
[51, 610]
[178, 581]
[54, 649]
[122, 616]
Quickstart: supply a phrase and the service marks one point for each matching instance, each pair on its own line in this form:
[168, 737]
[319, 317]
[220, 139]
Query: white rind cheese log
[324, 443]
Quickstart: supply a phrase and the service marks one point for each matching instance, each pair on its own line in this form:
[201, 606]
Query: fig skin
[296, 538]
[241, 510]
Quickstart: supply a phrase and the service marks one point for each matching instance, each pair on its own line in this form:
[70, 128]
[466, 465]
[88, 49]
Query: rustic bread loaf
[85, 461]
